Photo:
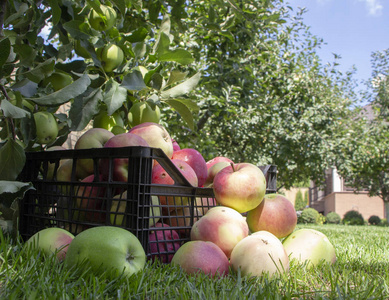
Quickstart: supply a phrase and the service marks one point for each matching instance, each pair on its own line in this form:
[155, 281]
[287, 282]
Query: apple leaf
[77, 29]
[5, 49]
[84, 108]
[114, 96]
[176, 76]
[55, 11]
[180, 56]
[10, 190]
[182, 88]
[12, 111]
[12, 159]
[121, 5]
[26, 87]
[183, 107]
[41, 70]
[64, 95]
[134, 81]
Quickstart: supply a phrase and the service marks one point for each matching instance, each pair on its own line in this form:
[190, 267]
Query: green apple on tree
[106, 249]
[46, 127]
[142, 112]
[105, 21]
[103, 120]
[58, 80]
[111, 57]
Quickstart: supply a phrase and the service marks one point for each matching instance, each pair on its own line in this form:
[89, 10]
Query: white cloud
[374, 7]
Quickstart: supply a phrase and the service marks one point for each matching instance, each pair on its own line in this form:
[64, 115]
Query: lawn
[361, 272]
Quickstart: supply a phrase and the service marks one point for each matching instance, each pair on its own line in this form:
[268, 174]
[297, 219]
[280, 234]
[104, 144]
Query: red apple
[240, 186]
[176, 146]
[181, 217]
[120, 165]
[93, 138]
[213, 170]
[201, 257]
[195, 160]
[163, 243]
[155, 135]
[221, 225]
[275, 214]
[217, 159]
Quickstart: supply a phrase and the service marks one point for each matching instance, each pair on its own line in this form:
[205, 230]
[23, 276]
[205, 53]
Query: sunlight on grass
[361, 272]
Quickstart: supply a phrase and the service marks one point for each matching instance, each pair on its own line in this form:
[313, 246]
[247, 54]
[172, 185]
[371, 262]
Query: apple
[104, 22]
[46, 127]
[92, 138]
[195, 160]
[120, 165]
[155, 135]
[103, 120]
[258, 254]
[111, 57]
[118, 130]
[106, 249]
[213, 170]
[221, 225]
[275, 214]
[205, 204]
[58, 80]
[309, 246]
[51, 166]
[51, 241]
[181, 217]
[160, 176]
[118, 210]
[217, 159]
[142, 112]
[201, 256]
[176, 146]
[240, 186]
[163, 243]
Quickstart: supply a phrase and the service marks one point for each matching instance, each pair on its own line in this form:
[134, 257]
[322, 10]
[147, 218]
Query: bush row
[312, 216]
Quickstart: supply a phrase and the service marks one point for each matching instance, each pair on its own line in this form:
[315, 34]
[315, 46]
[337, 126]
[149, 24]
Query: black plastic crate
[136, 205]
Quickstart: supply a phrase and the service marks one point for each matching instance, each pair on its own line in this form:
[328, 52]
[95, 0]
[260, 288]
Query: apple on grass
[275, 214]
[193, 158]
[106, 249]
[120, 165]
[163, 243]
[155, 135]
[51, 241]
[259, 254]
[201, 257]
[309, 246]
[240, 186]
[221, 225]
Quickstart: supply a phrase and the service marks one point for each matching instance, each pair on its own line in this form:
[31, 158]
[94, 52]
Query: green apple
[111, 57]
[118, 130]
[102, 22]
[106, 249]
[51, 241]
[142, 112]
[51, 166]
[58, 80]
[46, 127]
[103, 120]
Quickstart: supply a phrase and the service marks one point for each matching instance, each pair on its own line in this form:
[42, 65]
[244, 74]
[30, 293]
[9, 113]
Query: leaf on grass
[12, 159]
[182, 88]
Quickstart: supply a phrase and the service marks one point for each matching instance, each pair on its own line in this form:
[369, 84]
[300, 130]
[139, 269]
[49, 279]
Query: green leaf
[114, 96]
[182, 88]
[10, 190]
[176, 76]
[183, 109]
[180, 56]
[84, 108]
[12, 159]
[77, 29]
[55, 11]
[134, 81]
[41, 70]
[67, 93]
[121, 5]
[12, 111]
[5, 50]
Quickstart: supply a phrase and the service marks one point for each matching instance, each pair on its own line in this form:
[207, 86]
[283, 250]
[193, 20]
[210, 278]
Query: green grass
[361, 272]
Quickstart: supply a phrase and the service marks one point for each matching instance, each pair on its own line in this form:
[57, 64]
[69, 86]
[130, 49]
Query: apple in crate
[109, 249]
[120, 165]
[260, 253]
[275, 214]
[221, 225]
[217, 159]
[163, 243]
[309, 246]
[240, 186]
[213, 170]
[201, 257]
[176, 146]
[92, 138]
[118, 209]
[155, 135]
[181, 217]
[194, 158]
[51, 166]
[51, 241]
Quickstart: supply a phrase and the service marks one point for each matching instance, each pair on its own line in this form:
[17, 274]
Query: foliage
[333, 218]
[374, 220]
[353, 217]
[306, 197]
[309, 216]
[384, 223]
[299, 203]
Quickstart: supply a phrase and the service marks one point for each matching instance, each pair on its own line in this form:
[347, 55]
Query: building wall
[342, 202]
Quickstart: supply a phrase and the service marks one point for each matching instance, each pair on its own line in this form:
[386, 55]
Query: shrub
[352, 217]
[309, 215]
[299, 203]
[374, 220]
[384, 223]
[322, 219]
[333, 218]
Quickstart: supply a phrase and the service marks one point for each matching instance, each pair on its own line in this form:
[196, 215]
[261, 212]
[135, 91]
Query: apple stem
[232, 166]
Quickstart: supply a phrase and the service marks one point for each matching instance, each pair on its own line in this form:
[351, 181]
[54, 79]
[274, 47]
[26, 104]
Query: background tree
[299, 203]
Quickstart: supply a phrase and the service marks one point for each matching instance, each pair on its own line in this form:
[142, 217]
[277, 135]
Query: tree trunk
[386, 209]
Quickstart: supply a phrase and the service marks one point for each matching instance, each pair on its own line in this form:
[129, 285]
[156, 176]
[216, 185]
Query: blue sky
[351, 28]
